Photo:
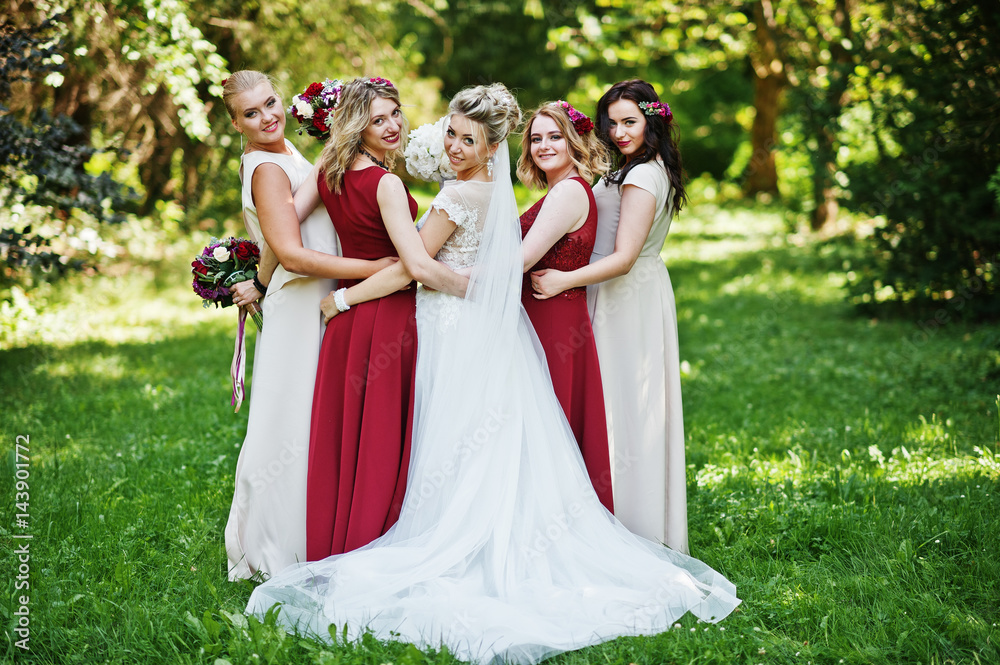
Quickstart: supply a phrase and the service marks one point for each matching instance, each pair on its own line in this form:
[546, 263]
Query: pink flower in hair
[656, 108]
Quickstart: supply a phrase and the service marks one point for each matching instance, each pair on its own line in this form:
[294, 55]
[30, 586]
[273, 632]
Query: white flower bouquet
[425, 155]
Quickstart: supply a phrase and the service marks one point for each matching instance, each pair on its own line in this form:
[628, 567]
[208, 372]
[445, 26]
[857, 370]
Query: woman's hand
[245, 293]
[328, 307]
[548, 283]
[381, 264]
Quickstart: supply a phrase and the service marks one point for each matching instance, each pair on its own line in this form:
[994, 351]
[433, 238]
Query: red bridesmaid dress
[563, 326]
[362, 417]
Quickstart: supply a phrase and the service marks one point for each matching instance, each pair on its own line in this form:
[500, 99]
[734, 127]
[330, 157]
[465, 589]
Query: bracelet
[340, 301]
[257, 285]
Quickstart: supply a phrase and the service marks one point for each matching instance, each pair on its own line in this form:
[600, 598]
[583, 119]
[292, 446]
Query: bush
[933, 82]
[43, 177]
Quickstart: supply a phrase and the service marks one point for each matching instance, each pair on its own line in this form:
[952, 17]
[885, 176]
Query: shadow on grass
[864, 562]
[89, 390]
[774, 358]
[891, 561]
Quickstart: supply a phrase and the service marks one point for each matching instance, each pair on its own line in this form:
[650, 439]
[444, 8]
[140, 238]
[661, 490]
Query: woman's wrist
[563, 280]
[257, 284]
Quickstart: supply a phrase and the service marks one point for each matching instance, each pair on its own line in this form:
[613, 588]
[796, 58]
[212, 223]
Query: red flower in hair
[581, 123]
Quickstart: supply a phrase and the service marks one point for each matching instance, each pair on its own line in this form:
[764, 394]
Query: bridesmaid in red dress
[559, 152]
[362, 416]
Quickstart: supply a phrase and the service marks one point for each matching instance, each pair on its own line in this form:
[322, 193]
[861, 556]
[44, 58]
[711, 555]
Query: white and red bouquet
[314, 106]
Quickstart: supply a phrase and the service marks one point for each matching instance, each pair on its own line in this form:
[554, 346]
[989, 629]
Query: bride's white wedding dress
[502, 551]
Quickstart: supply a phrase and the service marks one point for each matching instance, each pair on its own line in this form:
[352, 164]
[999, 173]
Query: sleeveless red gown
[563, 327]
[362, 417]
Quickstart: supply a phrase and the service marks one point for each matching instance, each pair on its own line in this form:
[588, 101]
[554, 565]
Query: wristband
[340, 301]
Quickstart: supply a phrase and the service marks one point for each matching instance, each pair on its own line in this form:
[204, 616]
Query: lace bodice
[466, 204]
[570, 252]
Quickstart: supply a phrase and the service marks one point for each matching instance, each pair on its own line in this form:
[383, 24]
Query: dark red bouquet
[222, 264]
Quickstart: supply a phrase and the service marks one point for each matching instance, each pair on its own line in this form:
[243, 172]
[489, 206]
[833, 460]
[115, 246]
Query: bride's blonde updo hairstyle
[492, 107]
[588, 153]
[349, 121]
[239, 82]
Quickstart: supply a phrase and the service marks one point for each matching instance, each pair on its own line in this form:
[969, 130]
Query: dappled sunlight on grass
[709, 233]
[799, 466]
[110, 366]
[139, 306]
[842, 471]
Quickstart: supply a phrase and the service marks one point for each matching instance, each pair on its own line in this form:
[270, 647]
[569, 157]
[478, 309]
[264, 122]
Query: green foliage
[994, 185]
[43, 164]
[694, 54]
[932, 83]
[177, 58]
[480, 41]
[843, 472]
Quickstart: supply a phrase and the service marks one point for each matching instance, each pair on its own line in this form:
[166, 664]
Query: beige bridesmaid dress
[635, 328]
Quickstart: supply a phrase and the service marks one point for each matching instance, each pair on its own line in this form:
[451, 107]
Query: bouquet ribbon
[237, 369]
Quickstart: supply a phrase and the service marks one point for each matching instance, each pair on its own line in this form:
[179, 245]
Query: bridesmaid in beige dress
[634, 316]
[266, 527]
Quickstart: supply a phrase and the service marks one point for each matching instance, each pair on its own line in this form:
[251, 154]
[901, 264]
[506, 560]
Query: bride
[502, 551]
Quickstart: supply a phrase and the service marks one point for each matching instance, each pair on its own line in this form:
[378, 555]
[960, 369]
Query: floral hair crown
[656, 108]
[581, 123]
[378, 80]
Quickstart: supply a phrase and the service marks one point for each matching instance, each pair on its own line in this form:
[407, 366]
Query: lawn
[842, 470]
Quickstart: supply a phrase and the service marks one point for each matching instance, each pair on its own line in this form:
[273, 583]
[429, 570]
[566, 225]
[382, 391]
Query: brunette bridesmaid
[633, 311]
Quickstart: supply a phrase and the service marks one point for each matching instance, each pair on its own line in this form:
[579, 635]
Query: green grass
[842, 471]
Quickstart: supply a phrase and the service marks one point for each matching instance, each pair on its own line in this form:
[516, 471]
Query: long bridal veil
[502, 551]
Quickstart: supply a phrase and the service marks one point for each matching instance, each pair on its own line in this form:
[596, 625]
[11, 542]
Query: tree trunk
[761, 172]
[769, 81]
[824, 161]
[824, 193]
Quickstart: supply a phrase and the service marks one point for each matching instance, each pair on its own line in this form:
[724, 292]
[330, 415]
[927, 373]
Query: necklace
[374, 159]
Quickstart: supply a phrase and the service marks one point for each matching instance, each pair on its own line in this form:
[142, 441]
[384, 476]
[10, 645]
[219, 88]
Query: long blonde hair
[348, 123]
[241, 81]
[588, 154]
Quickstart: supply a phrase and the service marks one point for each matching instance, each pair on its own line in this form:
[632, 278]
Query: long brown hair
[660, 137]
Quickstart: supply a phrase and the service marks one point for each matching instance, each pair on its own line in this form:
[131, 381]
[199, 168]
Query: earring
[489, 167]
[241, 141]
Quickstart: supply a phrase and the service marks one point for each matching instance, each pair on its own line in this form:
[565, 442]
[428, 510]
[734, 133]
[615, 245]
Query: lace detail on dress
[466, 204]
[570, 252]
